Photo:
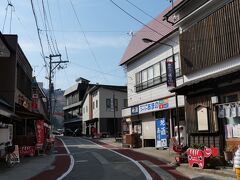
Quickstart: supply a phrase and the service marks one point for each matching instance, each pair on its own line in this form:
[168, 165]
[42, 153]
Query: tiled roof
[136, 45]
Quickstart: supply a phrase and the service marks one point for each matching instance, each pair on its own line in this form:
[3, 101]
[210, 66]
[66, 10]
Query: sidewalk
[27, 168]
[48, 167]
[167, 157]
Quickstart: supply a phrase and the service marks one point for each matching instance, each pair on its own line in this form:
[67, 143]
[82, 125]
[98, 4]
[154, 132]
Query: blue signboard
[161, 133]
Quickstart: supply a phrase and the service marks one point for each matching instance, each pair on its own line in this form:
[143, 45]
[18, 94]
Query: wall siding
[190, 107]
[212, 40]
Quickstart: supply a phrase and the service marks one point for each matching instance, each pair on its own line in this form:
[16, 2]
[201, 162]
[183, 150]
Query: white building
[101, 112]
[148, 95]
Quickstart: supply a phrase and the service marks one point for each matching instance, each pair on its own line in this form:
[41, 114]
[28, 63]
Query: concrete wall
[85, 114]
[108, 94]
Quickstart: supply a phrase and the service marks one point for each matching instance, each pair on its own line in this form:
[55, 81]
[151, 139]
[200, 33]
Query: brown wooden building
[210, 62]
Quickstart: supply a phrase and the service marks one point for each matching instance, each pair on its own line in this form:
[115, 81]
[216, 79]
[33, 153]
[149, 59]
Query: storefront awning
[23, 113]
[6, 112]
[208, 82]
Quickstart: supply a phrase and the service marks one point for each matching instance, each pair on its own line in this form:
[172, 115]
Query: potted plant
[228, 153]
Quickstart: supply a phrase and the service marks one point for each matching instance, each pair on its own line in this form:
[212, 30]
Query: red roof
[136, 45]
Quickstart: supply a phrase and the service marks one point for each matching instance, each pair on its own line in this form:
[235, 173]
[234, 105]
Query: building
[149, 98]
[102, 110]
[210, 61]
[73, 109]
[16, 96]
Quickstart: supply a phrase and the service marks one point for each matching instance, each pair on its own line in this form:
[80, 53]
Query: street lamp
[171, 78]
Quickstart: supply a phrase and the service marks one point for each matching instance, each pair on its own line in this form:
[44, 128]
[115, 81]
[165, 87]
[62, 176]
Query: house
[73, 109]
[102, 110]
[149, 99]
[210, 61]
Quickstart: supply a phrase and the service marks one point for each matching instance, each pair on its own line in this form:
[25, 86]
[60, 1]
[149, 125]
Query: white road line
[100, 158]
[147, 175]
[81, 161]
[71, 163]
[162, 173]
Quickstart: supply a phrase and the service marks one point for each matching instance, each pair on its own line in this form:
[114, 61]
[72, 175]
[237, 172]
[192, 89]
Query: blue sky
[105, 26]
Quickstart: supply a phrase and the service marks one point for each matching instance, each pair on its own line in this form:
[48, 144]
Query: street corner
[61, 166]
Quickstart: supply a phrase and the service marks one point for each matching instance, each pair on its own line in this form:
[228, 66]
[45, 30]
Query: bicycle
[9, 157]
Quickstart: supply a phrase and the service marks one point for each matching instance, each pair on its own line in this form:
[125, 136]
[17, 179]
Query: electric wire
[39, 37]
[136, 19]
[85, 37]
[51, 23]
[46, 27]
[5, 17]
[144, 12]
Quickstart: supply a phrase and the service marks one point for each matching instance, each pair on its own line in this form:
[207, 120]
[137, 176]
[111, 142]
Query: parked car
[68, 132]
[57, 133]
[77, 132]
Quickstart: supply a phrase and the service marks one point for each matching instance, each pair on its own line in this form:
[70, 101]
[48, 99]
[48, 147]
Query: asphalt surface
[93, 162]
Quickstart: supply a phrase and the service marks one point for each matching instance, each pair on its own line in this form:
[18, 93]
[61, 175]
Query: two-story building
[102, 110]
[149, 98]
[73, 109]
[16, 92]
[210, 61]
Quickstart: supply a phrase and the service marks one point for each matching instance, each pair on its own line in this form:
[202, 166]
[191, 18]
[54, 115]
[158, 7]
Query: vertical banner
[39, 133]
[171, 73]
[161, 135]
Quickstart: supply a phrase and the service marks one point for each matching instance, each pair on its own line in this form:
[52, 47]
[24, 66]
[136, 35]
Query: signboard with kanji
[161, 133]
[39, 133]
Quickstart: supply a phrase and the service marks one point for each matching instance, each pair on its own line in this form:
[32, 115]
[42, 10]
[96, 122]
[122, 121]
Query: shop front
[145, 117]
[212, 106]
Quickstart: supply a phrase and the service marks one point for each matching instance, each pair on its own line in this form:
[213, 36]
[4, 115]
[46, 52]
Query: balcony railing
[155, 81]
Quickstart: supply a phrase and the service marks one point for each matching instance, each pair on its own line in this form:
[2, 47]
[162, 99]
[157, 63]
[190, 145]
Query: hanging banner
[161, 135]
[171, 74]
[39, 133]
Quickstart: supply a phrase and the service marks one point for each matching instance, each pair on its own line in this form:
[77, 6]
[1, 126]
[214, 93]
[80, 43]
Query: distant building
[102, 110]
[73, 108]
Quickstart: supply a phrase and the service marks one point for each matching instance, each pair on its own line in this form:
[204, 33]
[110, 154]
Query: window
[177, 65]
[108, 104]
[96, 103]
[155, 74]
[93, 104]
[163, 71]
[116, 104]
[86, 109]
[125, 103]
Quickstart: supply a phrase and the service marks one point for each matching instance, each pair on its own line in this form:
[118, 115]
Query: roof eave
[148, 48]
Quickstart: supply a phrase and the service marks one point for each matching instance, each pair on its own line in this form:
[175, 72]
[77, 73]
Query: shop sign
[161, 133]
[39, 133]
[153, 106]
[171, 74]
[26, 151]
[134, 110]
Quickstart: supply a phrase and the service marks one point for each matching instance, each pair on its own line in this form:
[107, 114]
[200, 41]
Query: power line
[158, 33]
[39, 37]
[85, 37]
[144, 12]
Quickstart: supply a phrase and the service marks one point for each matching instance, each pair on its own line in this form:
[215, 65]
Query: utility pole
[50, 85]
[114, 116]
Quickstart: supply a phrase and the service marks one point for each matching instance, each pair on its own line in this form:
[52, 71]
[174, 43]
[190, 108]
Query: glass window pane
[138, 78]
[150, 73]
[144, 75]
[177, 63]
[163, 67]
[156, 70]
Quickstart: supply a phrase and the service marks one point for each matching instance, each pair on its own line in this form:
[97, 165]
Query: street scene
[120, 89]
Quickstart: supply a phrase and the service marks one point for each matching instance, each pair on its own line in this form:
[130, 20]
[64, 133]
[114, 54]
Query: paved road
[92, 161]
